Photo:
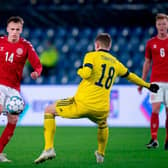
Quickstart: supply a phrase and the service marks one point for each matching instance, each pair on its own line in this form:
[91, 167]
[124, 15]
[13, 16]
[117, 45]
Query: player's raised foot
[46, 155]
[152, 144]
[166, 145]
[3, 158]
[99, 157]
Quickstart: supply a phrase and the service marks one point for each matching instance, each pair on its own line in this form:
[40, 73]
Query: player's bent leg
[64, 108]
[49, 126]
[49, 132]
[102, 137]
[51, 109]
[68, 108]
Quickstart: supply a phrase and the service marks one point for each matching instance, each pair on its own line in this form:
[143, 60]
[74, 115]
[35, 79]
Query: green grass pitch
[75, 148]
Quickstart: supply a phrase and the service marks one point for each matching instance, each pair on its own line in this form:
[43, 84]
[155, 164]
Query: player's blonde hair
[104, 39]
[161, 16]
[15, 19]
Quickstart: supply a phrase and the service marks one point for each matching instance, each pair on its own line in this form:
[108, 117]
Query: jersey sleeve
[86, 71]
[137, 80]
[148, 51]
[88, 59]
[34, 59]
[122, 70]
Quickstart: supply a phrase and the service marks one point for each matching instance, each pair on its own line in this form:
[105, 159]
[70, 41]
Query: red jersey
[157, 51]
[12, 60]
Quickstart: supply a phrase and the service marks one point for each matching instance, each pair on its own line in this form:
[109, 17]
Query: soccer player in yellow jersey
[91, 100]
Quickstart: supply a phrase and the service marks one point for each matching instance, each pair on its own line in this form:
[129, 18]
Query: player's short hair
[15, 19]
[104, 39]
[161, 16]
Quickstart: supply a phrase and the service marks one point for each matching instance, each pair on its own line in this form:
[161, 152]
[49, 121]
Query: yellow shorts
[69, 108]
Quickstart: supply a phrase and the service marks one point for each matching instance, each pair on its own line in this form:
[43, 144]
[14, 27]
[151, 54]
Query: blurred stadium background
[72, 25]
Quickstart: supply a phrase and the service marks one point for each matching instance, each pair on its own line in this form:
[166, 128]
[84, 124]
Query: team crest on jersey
[154, 46]
[19, 51]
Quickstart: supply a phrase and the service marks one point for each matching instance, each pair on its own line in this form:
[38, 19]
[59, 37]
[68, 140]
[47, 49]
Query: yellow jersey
[99, 72]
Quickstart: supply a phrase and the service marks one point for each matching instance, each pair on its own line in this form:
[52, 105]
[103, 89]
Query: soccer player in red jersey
[156, 56]
[14, 51]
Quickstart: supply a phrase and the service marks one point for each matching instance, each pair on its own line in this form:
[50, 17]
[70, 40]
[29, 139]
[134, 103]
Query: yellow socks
[49, 130]
[102, 137]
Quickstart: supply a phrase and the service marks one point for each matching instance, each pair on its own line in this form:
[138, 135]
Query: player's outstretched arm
[139, 81]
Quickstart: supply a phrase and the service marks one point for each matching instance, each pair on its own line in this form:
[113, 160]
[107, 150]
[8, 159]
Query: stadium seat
[128, 45]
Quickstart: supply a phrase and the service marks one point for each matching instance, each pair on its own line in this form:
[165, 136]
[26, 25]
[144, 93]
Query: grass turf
[75, 148]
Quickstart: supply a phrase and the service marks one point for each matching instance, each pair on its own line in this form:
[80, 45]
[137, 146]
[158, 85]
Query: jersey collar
[103, 50]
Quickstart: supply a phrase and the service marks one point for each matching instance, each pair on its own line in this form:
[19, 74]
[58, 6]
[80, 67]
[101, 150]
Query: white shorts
[161, 95]
[5, 93]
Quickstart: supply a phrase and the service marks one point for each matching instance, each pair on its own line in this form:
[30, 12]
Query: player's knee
[156, 107]
[102, 124]
[48, 116]
[50, 109]
[13, 119]
[46, 110]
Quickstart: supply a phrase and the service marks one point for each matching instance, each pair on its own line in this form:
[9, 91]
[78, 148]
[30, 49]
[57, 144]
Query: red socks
[6, 135]
[154, 125]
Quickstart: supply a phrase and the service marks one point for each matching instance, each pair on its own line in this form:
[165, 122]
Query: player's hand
[34, 75]
[154, 88]
[140, 89]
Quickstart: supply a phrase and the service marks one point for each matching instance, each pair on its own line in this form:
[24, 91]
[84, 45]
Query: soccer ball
[15, 105]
